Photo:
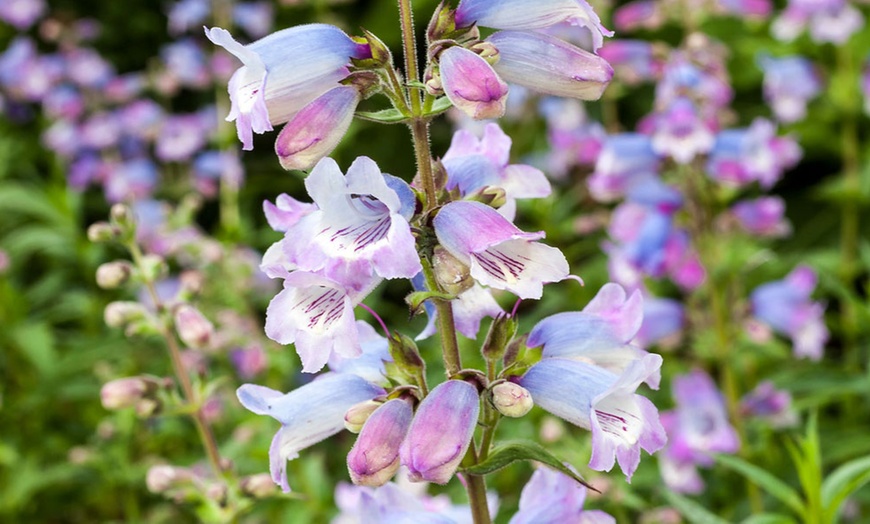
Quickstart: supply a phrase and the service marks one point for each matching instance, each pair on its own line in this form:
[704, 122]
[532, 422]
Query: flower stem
[189, 394]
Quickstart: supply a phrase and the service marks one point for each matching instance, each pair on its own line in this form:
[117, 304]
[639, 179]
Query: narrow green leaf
[841, 483]
[514, 450]
[36, 343]
[415, 300]
[765, 480]
[769, 518]
[384, 116]
[694, 512]
[441, 104]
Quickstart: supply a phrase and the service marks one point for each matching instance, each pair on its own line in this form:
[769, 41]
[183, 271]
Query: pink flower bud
[118, 314]
[356, 417]
[193, 328]
[441, 432]
[258, 486]
[511, 400]
[471, 84]
[162, 477]
[374, 458]
[113, 274]
[317, 129]
[124, 392]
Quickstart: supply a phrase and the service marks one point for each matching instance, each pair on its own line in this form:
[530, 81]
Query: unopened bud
[441, 432]
[102, 232]
[113, 274]
[501, 332]
[193, 328]
[490, 195]
[119, 314]
[471, 84]
[374, 458]
[452, 275]
[405, 354]
[163, 478]
[192, 282]
[217, 493]
[356, 416]
[381, 54]
[486, 50]
[258, 486]
[147, 407]
[511, 400]
[122, 216]
[126, 392]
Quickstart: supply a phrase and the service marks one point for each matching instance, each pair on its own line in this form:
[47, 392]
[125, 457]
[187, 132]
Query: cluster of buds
[143, 393]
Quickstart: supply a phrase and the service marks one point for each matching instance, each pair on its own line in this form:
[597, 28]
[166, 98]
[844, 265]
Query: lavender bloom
[499, 255]
[740, 156]
[283, 72]
[600, 334]
[63, 102]
[87, 68]
[593, 398]
[255, 18]
[681, 132]
[833, 21]
[785, 306]
[632, 59]
[317, 128]
[763, 216]
[308, 414]
[249, 362]
[646, 14]
[662, 318]
[473, 164]
[184, 15]
[574, 138]
[186, 62]
[370, 365]
[550, 497]
[441, 432]
[471, 84]
[702, 422]
[182, 136]
[22, 14]
[316, 314]
[770, 404]
[747, 8]
[131, 180]
[549, 65]
[402, 503]
[529, 14]
[374, 458]
[865, 85]
[361, 225]
[210, 167]
[624, 158]
[285, 212]
[789, 83]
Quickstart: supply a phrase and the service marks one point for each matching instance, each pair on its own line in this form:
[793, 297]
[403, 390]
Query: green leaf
[769, 518]
[36, 343]
[514, 450]
[843, 482]
[765, 480]
[384, 116]
[694, 512]
[415, 300]
[441, 104]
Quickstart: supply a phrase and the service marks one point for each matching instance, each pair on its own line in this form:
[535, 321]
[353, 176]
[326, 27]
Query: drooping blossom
[374, 458]
[790, 82]
[308, 414]
[551, 497]
[624, 158]
[622, 422]
[471, 84]
[283, 72]
[498, 254]
[473, 164]
[741, 156]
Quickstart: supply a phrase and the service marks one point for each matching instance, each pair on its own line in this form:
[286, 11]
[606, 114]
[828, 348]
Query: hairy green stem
[190, 397]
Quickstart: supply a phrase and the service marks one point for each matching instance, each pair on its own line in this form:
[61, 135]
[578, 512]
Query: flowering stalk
[190, 397]
[475, 485]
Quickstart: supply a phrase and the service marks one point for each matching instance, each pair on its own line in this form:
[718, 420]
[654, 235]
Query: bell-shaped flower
[740, 156]
[374, 458]
[285, 212]
[283, 72]
[681, 132]
[370, 365]
[531, 14]
[317, 128]
[785, 306]
[316, 314]
[549, 65]
[763, 216]
[790, 82]
[624, 158]
[361, 225]
[498, 253]
[308, 414]
[441, 432]
[471, 84]
[550, 497]
[473, 164]
[622, 422]
[770, 404]
[663, 319]
[599, 334]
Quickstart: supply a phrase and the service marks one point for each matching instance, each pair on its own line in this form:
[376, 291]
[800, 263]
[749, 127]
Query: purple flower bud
[549, 65]
[317, 129]
[762, 216]
[22, 14]
[374, 458]
[193, 328]
[125, 392]
[471, 84]
[441, 432]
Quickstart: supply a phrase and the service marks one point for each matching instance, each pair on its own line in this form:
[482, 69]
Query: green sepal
[384, 116]
[415, 300]
[515, 450]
